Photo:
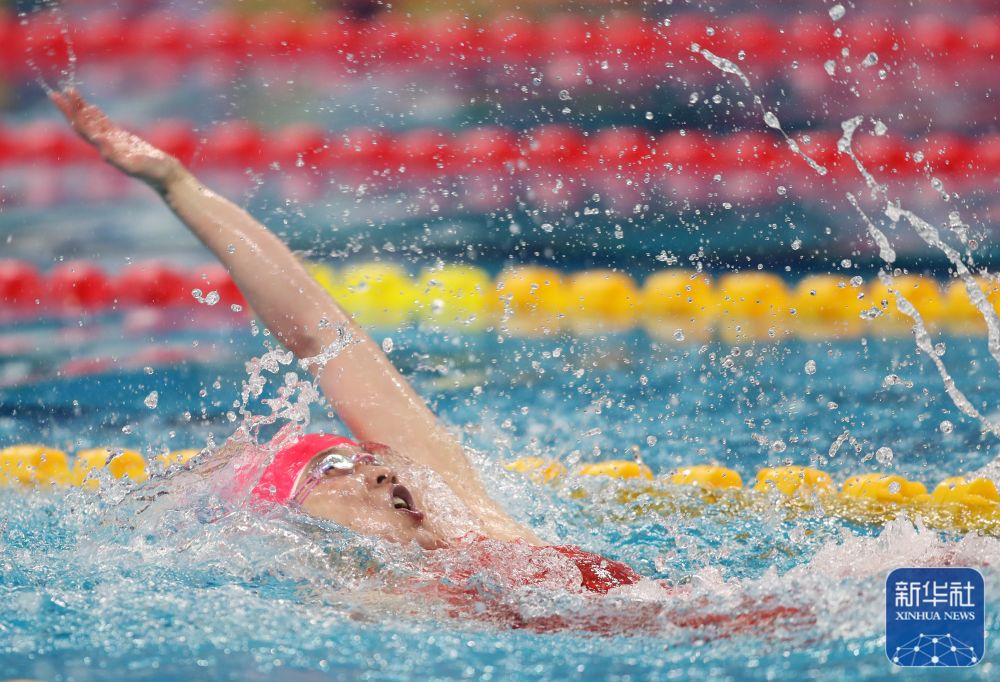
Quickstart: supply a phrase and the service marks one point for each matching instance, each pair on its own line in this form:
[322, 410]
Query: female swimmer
[326, 476]
[332, 477]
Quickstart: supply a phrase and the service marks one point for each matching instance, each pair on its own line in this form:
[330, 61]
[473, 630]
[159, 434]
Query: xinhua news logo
[935, 617]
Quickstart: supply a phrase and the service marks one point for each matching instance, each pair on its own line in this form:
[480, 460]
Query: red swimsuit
[480, 578]
[511, 565]
[598, 574]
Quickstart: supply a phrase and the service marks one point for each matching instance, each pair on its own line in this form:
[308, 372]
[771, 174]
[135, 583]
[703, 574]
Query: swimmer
[356, 484]
[326, 476]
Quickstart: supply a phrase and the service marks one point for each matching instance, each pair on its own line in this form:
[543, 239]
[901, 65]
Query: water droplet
[782, 190]
[880, 128]
[152, 400]
[830, 66]
[837, 12]
[796, 244]
[387, 344]
[650, 441]
[857, 281]
[547, 227]
[846, 263]
[679, 335]
[649, 115]
[871, 59]
[918, 156]
[127, 429]
[946, 427]
[771, 119]
[693, 98]
[884, 457]
[810, 367]
[779, 446]
[564, 95]
[208, 299]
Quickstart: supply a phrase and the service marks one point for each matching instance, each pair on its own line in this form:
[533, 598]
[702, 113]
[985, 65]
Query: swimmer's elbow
[309, 343]
[302, 343]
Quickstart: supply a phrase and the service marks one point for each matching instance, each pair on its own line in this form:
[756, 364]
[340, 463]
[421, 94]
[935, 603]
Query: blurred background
[592, 134]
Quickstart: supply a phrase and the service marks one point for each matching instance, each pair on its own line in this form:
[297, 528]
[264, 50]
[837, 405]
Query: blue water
[117, 585]
[167, 581]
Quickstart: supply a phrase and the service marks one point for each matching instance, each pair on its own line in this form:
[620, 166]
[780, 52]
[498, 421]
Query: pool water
[167, 581]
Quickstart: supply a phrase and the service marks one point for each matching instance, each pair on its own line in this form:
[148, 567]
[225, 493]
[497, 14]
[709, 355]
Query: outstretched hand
[127, 152]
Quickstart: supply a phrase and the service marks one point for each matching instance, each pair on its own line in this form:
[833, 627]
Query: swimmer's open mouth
[402, 501]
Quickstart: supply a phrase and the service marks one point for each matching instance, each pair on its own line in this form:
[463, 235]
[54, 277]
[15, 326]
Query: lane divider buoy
[674, 304]
[957, 503]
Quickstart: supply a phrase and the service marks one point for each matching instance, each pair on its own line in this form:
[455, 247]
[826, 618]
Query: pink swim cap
[278, 480]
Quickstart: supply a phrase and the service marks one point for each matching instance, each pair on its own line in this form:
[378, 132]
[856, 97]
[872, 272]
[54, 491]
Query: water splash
[925, 344]
[724, 65]
[885, 250]
[895, 211]
[67, 74]
[844, 147]
[770, 118]
[977, 297]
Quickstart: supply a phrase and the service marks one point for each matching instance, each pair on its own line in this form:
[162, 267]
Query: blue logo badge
[935, 617]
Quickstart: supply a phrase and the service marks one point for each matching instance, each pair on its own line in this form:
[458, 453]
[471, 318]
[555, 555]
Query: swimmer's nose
[377, 476]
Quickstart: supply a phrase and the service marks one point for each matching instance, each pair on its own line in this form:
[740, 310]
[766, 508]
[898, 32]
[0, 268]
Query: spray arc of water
[895, 212]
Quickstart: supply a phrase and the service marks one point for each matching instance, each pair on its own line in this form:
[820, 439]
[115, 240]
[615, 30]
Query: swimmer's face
[357, 488]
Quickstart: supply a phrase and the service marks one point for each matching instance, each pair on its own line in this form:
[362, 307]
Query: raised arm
[367, 391]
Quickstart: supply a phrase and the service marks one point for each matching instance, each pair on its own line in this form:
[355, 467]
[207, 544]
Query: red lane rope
[429, 154]
[81, 286]
[644, 43]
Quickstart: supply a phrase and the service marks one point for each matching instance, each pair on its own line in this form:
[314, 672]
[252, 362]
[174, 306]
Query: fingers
[87, 120]
[72, 106]
[94, 123]
[76, 98]
[62, 103]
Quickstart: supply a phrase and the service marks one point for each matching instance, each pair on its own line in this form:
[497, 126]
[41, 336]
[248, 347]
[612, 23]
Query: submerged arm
[369, 394]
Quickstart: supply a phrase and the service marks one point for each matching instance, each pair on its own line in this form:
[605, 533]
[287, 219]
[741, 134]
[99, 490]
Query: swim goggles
[339, 460]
